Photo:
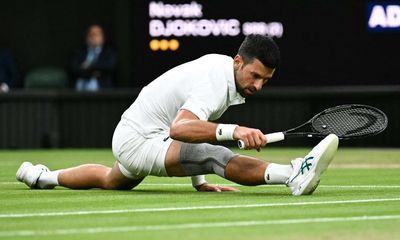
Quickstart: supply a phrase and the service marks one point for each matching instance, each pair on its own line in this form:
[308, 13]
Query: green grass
[356, 174]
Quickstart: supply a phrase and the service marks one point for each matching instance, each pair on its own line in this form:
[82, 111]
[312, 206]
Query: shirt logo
[220, 131]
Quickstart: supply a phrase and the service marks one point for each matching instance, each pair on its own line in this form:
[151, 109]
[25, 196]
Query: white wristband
[198, 180]
[224, 132]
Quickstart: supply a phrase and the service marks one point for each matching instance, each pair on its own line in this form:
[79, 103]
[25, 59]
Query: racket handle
[271, 137]
[275, 137]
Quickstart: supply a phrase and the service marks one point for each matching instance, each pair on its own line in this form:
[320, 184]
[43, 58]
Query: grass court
[358, 198]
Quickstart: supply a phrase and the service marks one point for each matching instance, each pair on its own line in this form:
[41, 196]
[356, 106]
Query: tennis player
[166, 132]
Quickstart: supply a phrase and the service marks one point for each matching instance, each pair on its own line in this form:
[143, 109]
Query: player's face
[251, 77]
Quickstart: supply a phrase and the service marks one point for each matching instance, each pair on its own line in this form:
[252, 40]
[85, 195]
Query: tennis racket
[346, 121]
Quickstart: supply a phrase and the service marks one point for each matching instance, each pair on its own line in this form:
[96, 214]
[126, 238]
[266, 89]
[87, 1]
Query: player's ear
[237, 62]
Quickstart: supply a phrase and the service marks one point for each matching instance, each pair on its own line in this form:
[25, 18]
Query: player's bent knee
[121, 185]
[109, 186]
[113, 185]
[112, 182]
[204, 158]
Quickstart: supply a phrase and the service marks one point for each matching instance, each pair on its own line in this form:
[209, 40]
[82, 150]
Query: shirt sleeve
[205, 100]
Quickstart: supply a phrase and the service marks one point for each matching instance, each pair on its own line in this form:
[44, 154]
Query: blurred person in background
[8, 70]
[93, 66]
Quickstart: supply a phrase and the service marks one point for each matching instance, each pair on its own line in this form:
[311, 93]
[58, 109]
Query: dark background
[328, 58]
[324, 43]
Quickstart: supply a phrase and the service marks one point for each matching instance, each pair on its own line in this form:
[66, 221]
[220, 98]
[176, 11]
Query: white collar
[234, 97]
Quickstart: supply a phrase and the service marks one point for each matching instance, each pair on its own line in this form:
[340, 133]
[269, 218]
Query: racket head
[350, 121]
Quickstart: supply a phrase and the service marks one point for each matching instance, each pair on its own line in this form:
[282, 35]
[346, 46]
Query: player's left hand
[252, 138]
[206, 187]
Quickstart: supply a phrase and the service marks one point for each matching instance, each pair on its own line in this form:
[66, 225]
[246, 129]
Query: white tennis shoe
[307, 171]
[30, 174]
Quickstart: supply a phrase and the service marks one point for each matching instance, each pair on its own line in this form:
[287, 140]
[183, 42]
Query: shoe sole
[312, 181]
[20, 175]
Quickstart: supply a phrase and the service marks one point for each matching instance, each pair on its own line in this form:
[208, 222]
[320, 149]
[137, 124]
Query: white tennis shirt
[205, 86]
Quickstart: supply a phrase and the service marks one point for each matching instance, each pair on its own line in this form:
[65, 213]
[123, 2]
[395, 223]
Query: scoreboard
[323, 43]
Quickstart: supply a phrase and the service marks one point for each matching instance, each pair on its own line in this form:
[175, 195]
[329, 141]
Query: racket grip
[271, 137]
[275, 137]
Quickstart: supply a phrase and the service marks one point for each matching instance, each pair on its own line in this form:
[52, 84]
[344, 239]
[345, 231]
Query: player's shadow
[192, 192]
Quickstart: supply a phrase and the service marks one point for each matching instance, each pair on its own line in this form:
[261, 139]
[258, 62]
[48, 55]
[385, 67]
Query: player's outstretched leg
[82, 177]
[301, 176]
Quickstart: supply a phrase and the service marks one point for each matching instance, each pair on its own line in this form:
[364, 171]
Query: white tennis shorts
[139, 156]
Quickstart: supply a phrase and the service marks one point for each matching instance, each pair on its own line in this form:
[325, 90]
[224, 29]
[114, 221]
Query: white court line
[191, 208]
[364, 166]
[202, 225]
[238, 185]
[360, 186]
[10, 183]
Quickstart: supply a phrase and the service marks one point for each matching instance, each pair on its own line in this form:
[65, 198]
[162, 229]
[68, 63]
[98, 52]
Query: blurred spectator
[8, 70]
[93, 66]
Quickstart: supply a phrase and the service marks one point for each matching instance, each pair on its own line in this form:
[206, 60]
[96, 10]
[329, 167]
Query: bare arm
[187, 127]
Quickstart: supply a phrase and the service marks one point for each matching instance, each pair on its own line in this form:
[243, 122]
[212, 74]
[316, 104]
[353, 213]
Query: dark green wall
[31, 119]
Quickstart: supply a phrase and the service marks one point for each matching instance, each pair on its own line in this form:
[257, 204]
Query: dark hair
[261, 47]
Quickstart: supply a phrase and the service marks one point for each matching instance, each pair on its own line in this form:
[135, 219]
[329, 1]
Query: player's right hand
[252, 138]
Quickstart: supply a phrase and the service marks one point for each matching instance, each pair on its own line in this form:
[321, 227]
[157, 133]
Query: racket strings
[350, 122]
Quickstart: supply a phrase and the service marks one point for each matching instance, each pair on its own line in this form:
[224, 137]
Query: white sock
[277, 173]
[48, 179]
